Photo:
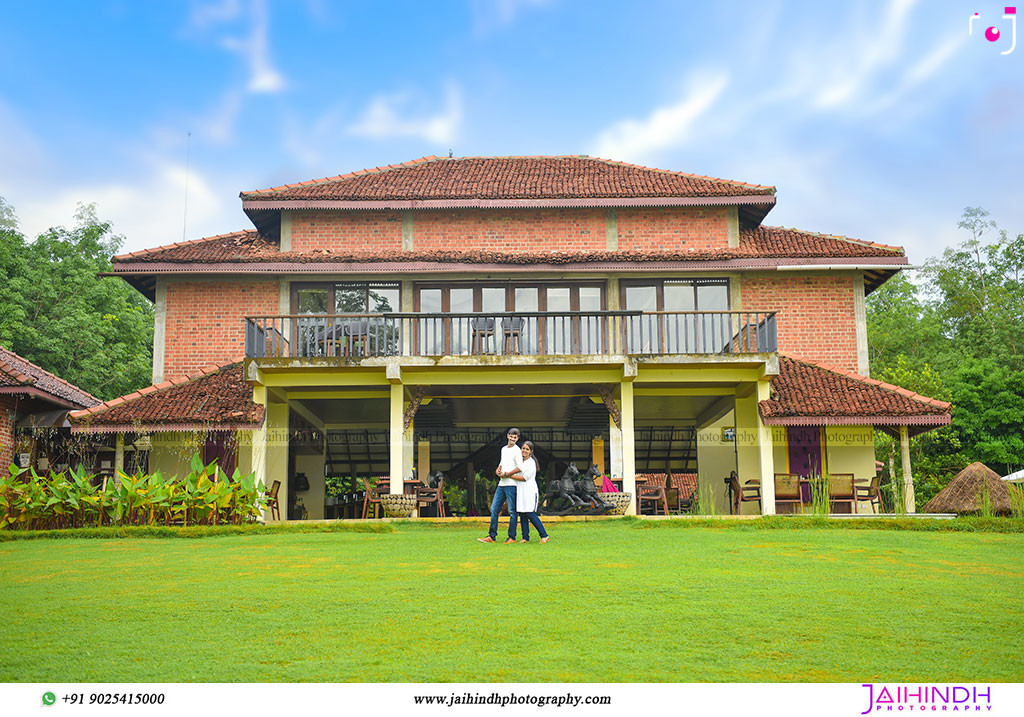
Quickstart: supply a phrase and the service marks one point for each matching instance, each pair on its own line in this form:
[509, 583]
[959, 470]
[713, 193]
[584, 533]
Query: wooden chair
[787, 490]
[272, 504]
[428, 495]
[650, 488]
[373, 494]
[871, 492]
[749, 493]
[685, 485]
[841, 490]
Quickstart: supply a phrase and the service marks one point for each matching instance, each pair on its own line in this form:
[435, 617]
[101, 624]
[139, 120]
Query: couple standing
[517, 486]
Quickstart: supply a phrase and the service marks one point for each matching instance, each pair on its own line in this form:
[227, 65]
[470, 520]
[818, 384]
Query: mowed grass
[608, 601]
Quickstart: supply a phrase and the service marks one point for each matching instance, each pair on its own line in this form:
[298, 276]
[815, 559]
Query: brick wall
[816, 315]
[205, 324]
[7, 404]
[353, 231]
[656, 229]
[523, 230]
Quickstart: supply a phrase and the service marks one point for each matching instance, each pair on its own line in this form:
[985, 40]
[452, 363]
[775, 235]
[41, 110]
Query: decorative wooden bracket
[609, 403]
[414, 405]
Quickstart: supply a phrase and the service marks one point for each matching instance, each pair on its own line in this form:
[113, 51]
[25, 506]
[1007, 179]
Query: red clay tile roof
[809, 393]
[216, 398]
[762, 242]
[443, 178]
[16, 371]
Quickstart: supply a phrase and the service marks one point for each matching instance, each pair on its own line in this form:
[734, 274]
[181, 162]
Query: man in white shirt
[511, 464]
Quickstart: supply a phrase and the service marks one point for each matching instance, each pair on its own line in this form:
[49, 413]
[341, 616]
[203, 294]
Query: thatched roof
[964, 492]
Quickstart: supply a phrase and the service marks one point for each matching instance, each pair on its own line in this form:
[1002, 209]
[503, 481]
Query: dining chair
[841, 490]
[512, 328]
[272, 504]
[787, 490]
[871, 493]
[685, 485]
[483, 330]
[650, 488]
[427, 495]
[749, 493]
[373, 494]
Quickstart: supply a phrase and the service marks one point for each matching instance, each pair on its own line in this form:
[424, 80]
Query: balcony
[568, 333]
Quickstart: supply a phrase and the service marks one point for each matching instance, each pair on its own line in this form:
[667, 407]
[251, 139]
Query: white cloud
[668, 126]
[490, 15]
[874, 49]
[253, 47]
[390, 116]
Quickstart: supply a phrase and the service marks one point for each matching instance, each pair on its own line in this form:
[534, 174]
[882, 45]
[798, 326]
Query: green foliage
[454, 499]
[95, 332]
[957, 336]
[206, 496]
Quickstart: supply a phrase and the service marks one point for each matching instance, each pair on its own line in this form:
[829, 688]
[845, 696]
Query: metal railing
[529, 333]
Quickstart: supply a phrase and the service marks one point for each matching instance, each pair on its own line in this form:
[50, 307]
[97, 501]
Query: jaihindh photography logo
[927, 698]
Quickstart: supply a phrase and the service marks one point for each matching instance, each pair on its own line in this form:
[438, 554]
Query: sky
[879, 120]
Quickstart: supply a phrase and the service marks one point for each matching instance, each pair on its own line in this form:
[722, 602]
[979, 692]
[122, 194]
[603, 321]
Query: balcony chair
[650, 488]
[373, 494]
[272, 504]
[427, 495]
[871, 493]
[512, 328]
[743, 494]
[685, 485]
[841, 490]
[355, 338]
[788, 490]
[483, 329]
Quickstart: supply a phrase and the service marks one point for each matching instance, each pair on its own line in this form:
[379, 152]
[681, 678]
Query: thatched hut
[965, 493]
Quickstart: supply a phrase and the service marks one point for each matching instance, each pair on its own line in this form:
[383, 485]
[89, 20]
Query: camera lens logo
[992, 34]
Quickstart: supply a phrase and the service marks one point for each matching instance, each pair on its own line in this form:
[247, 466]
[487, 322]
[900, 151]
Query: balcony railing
[511, 334]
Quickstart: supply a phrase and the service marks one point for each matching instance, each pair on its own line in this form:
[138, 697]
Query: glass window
[492, 299]
[384, 299]
[527, 298]
[641, 298]
[350, 299]
[312, 301]
[712, 297]
[679, 296]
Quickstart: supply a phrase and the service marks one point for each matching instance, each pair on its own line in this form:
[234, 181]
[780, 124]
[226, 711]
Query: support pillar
[597, 453]
[754, 449]
[397, 438]
[119, 453]
[628, 445]
[277, 451]
[909, 504]
[614, 449]
[258, 449]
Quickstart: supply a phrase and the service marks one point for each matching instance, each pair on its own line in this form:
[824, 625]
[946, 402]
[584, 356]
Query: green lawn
[608, 601]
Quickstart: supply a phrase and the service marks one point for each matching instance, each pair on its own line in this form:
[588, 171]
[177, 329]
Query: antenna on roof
[450, 153]
[184, 219]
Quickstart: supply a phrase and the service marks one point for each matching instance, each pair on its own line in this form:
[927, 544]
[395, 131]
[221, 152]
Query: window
[664, 328]
[362, 298]
[319, 336]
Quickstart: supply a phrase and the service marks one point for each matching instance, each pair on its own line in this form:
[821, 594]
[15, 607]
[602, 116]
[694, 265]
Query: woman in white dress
[528, 497]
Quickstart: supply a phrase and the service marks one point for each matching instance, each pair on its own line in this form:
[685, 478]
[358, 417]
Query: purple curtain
[221, 445]
[805, 453]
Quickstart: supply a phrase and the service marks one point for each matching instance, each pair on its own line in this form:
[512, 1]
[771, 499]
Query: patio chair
[355, 338]
[483, 329]
[787, 490]
[512, 328]
[427, 495]
[685, 485]
[650, 488]
[373, 494]
[841, 490]
[749, 493]
[871, 492]
[272, 504]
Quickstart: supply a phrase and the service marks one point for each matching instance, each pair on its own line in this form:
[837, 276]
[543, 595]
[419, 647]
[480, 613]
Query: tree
[58, 313]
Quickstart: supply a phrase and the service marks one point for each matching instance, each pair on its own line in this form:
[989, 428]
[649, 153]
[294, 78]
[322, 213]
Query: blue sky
[880, 120]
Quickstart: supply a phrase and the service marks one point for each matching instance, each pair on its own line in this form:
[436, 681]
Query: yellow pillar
[628, 445]
[909, 504]
[277, 451]
[258, 449]
[597, 453]
[423, 460]
[397, 438]
[754, 458]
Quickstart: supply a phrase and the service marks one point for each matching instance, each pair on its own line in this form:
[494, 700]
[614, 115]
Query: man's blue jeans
[504, 494]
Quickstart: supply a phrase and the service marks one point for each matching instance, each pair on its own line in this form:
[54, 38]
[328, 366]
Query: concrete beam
[611, 229]
[408, 223]
[159, 330]
[393, 372]
[715, 411]
[286, 232]
[300, 408]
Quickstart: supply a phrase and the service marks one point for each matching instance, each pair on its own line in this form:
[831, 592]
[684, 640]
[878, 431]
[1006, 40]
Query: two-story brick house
[400, 317]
